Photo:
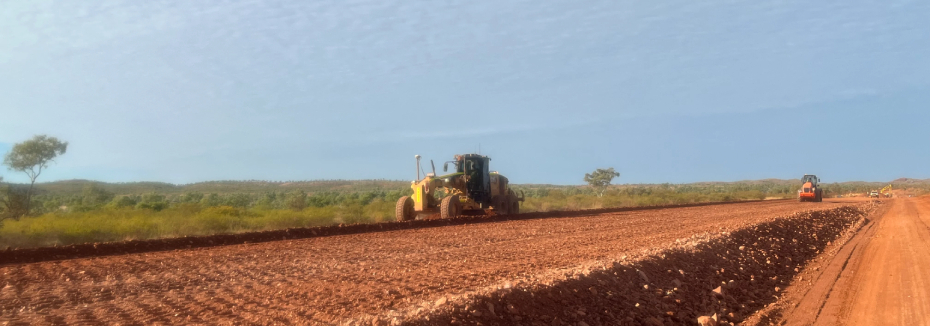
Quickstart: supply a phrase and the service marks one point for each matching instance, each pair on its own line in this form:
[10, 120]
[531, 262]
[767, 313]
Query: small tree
[12, 202]
[95, 196]
[600, 179]
[296, 200]
[238, 200]
[3, 203]
[191, 197]
[267, 200]
[122, 202]
[153, 201]
[32, 157]
[211, 200]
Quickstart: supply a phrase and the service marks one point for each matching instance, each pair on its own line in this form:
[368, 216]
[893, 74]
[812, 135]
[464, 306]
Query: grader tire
[515, 207]
[450, 207]
[404, 211]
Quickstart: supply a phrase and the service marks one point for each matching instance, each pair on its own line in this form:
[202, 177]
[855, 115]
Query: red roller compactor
[810, 190]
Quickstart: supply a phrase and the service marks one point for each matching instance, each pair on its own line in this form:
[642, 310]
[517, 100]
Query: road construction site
[654, 266]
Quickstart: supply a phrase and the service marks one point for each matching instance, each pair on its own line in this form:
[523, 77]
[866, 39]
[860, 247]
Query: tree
[12, 202]
[3, 201]
[32, 157]
[238, 200]
[191, 197]
[122, 201]
[600, 179]
[94, 196]
[211, 200]
[296, 200]
[267, 201]
[153, 201]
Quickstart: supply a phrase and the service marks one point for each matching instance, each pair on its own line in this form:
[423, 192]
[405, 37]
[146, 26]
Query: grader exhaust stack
[472, 189]
[418, 166]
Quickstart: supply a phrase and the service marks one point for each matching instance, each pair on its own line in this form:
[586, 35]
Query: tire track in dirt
[321, 280]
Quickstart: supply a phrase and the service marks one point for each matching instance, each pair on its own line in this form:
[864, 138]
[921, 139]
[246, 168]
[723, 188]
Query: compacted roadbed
[399, 276]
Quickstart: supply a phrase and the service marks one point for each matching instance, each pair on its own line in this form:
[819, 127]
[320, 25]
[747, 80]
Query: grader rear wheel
[404, 211]
[515, 207]
[450, 207]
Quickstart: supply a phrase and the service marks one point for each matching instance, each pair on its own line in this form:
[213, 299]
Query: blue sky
[672, 91]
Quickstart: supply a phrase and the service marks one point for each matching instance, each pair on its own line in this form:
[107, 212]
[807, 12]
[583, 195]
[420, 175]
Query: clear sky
[663, 91]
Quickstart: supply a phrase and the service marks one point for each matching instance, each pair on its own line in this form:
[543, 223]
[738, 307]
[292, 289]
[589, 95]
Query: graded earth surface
[880, 277]
[342, 279]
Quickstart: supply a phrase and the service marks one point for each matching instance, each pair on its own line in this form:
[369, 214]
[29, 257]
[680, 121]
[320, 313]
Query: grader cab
[470, 189]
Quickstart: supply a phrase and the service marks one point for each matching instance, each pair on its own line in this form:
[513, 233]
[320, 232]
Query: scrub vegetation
[80, 211]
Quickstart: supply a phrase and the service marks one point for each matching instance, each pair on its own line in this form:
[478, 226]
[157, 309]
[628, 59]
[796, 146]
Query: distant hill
[69, 187]
[911, 181]
[896, 182]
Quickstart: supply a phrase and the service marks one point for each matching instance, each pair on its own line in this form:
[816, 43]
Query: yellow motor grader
[471, 190]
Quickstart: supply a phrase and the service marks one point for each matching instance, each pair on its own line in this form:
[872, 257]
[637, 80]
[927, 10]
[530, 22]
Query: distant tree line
[94, 196]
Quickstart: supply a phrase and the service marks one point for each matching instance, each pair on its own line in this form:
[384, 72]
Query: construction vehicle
[810, 190]
[471, 190]
[886, 191]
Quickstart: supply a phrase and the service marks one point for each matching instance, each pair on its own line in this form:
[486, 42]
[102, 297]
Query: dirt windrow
[730, 274]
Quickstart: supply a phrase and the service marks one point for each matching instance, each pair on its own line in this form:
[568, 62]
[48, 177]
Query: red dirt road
[331, 280]
[880, 277]
[893, 283]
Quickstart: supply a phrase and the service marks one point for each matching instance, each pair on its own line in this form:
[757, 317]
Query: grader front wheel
[403, 211]
[450, 207]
